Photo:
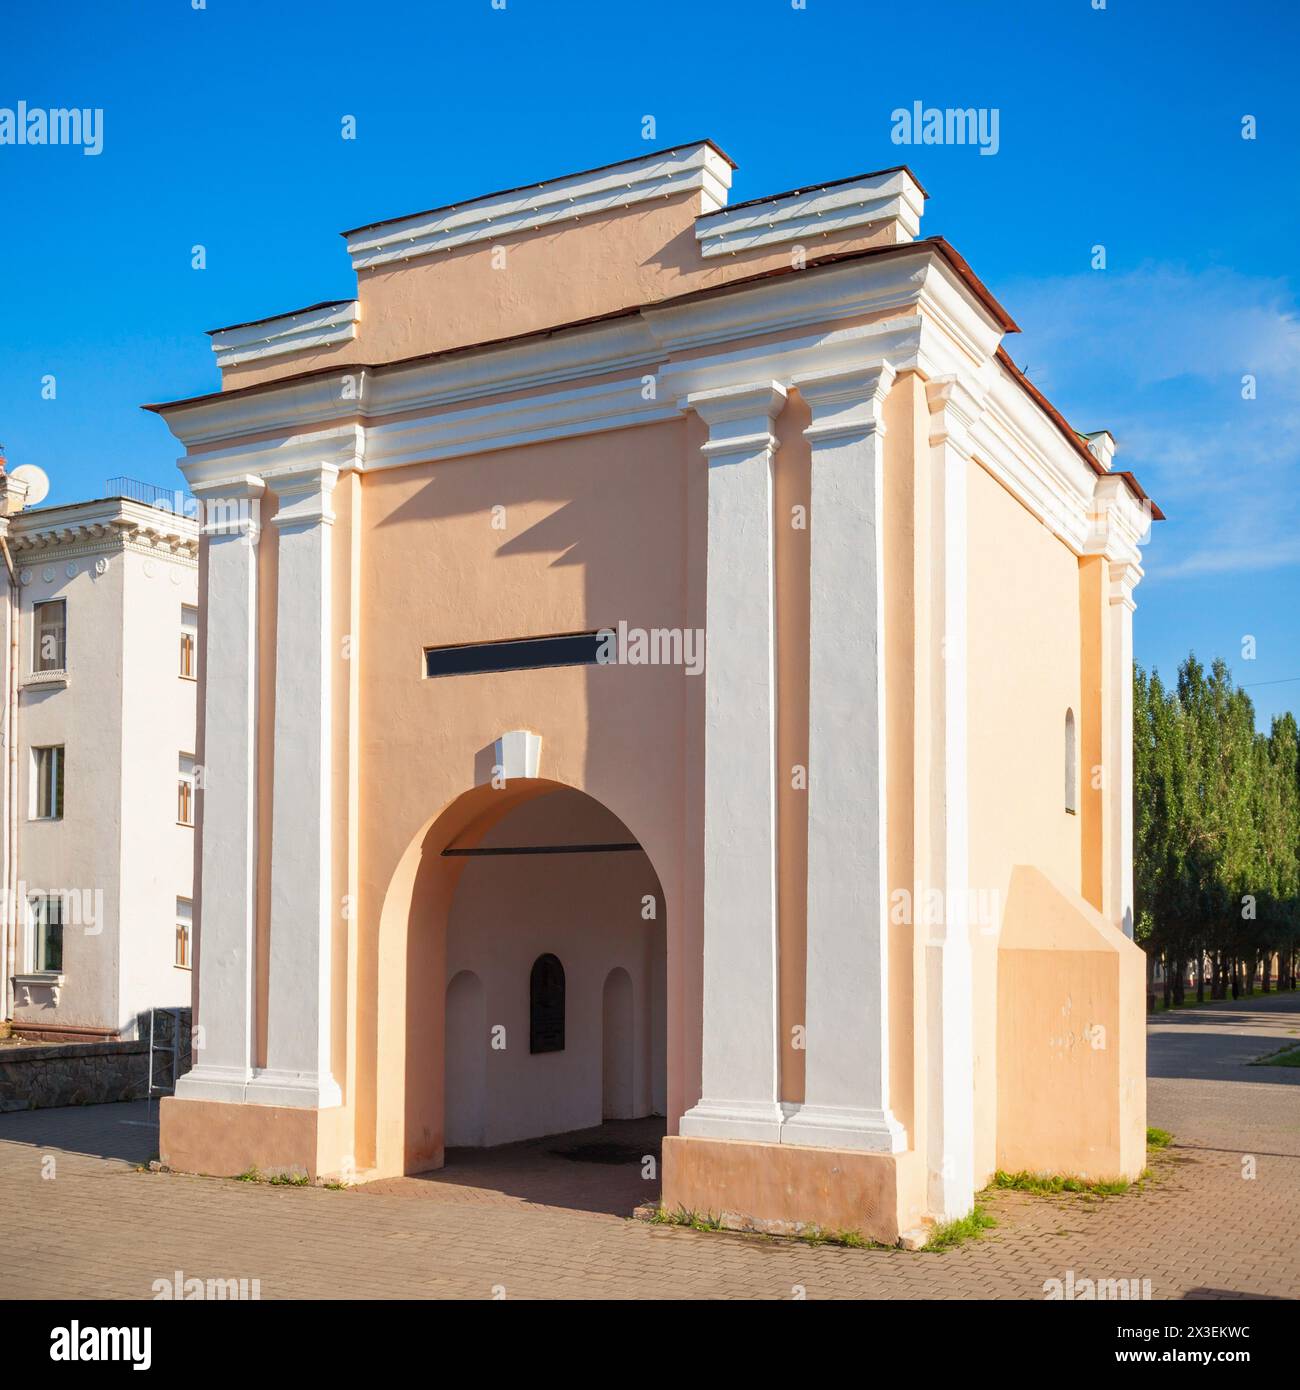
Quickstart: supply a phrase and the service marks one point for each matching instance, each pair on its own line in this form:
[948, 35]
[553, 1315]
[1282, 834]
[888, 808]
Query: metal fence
[169, 1049]
[174, 499]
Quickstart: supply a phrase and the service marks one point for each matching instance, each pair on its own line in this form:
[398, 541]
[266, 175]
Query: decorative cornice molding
[893, 196]
[739, 418]
[691, 168]
[1118, 527]
[1125, 576]
[231, 504]
[303, 492]
[919, 316]
[295, 332]
[846, 403]
[1014, 440]
[956, 407]
[242, 474]
[94, 528]
[526, 420]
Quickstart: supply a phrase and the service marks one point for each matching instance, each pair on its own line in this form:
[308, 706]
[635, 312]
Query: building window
[47, 932]
[1071, 765]
[185, 790]
[184, 925]
[47, 770]
[515, 654]
[50, 635]
[546, 1005]
[189, 642]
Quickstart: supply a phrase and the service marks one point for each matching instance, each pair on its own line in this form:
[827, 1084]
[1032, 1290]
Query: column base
[213, 1083]
[220, 1139]
[783, 1189]
[734, 1119]
[295, 1089]
[845, 1127]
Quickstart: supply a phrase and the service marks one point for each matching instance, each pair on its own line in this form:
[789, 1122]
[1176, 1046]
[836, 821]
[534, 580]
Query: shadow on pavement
[126, 1130]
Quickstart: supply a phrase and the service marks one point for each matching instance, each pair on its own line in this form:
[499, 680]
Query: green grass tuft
[277, 1180]
[1288, 1056]
[1158, 1138]
[954, 1233]
[681, 1217]
[1052, 1185]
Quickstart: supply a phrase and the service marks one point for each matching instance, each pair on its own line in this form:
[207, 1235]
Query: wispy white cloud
[1157, 356]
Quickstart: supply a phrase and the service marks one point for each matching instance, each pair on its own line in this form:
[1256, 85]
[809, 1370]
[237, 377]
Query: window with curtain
[185, 790]
[47, 770]
[189, 642]
[50, 635]
[184, 927]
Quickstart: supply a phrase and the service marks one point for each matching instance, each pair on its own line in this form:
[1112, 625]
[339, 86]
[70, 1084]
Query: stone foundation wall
[43, 1075]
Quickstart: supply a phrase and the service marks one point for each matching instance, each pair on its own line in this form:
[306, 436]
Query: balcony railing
[173, 499]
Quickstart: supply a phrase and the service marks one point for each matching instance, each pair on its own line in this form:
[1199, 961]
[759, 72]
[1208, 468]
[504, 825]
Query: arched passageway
[523, 994]
[558, 915]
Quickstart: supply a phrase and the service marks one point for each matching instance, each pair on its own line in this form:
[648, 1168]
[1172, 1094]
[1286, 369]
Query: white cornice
[897, 341]
[528, 420]
[921, 317]
[822, 294]
[307, 328]
[108, 524]
[303, 493]
[1119, 525]
[596, 349]
[691, 168]
[846, 404]
[809, 213]
[740, 418]
[646, 339]
[1025, 452]
[233, 474]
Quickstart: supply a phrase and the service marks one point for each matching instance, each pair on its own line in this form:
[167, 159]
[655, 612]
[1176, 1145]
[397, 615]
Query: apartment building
[100, 629]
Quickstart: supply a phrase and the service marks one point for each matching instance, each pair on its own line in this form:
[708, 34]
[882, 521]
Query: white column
[950, 1035]
[228, 864]
[741, 1046]
[846, 1090]
[1124, 578]
[298, 1040]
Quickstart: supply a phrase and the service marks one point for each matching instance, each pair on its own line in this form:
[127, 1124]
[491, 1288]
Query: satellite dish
[38, 484]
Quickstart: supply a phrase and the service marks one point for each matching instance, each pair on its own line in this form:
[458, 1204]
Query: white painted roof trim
[893, 197]
[558, 200]
[104, 520]
[307, 328]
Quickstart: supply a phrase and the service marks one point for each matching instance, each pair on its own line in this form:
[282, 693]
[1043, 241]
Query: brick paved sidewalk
[1198, 1229]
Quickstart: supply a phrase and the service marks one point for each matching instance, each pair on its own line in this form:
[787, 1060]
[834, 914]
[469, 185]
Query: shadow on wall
[613, 547]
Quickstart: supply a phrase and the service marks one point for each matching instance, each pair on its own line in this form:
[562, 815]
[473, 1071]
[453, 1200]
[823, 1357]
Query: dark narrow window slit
[516, 654]
[452, 852]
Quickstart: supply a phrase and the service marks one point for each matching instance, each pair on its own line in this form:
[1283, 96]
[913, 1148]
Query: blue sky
[1119, 126]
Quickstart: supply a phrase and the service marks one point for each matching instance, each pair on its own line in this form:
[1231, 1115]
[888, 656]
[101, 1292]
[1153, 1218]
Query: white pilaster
[846, 1089]
[298, 1068]
[1124, 578]
[1119, 526]
[949, 1022]
[741, 1046]
[229, 791]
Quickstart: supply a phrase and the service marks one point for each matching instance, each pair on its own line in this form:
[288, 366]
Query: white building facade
[100, 646]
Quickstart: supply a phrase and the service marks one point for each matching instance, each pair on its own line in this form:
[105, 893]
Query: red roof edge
[1072, 436]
